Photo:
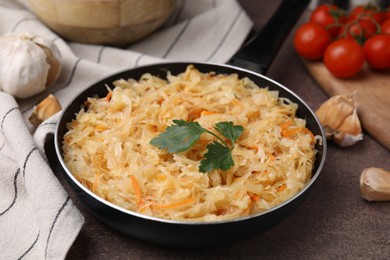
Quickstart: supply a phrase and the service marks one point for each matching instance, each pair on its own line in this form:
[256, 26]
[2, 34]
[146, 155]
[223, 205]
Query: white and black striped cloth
[37, 218]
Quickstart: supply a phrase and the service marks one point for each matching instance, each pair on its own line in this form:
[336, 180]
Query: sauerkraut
[107, 147]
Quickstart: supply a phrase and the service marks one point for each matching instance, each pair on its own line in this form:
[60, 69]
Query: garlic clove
[351, 124]
[375, 184]
[28, 64]
[53, 58]
[334, 111]
[338, 115]
[45, 109]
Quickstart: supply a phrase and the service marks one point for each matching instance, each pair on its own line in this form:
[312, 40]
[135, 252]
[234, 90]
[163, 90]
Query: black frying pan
[178, 233]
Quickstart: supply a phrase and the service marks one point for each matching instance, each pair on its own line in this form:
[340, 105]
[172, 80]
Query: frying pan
[180, 233]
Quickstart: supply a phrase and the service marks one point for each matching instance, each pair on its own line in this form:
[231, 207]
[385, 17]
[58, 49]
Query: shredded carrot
[160, 100]
[286, 124]
[194, 114]
[109, 95]
[306, 130]
[285, 131]
[289, 133]
[254, 148]
[136, 189]
[207, 113]
[271, 158]
[176, 204]
[254, 197]
[100, 128]
[203, 141]
[281, 188]
[96, 180]
[253, 115]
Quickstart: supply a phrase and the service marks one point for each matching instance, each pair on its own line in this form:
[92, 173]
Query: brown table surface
[333, 222]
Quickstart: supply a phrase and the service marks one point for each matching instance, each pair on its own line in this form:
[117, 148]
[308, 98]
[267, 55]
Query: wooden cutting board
[372, 96]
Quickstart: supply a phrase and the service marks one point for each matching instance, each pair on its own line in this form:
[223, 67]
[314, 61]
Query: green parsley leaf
[230, 131]
[182, 135]
[179, 137]
[218, 156]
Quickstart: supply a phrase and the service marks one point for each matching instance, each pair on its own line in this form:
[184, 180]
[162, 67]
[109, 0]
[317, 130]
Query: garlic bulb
[338, 115]
[45, 109]
[375, 184]
[28, 64]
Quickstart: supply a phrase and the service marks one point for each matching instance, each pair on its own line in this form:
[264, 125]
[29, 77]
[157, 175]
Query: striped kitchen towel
[37, 218]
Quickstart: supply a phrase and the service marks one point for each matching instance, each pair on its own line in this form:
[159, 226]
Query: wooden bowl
[111, 22]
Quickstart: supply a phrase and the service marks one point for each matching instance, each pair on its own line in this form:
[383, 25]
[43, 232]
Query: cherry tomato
[367, 12]
[311, 40]
[344, 58]
[360, 30]
[385, 27]
[329, 16]
[377, 51]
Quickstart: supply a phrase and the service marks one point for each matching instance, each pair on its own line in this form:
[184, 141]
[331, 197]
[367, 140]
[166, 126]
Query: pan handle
[259, 52]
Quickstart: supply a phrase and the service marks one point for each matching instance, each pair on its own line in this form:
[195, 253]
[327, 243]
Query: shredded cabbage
[107, 147]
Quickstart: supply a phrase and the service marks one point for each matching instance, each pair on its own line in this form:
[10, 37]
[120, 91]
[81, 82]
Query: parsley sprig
[182, 135]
